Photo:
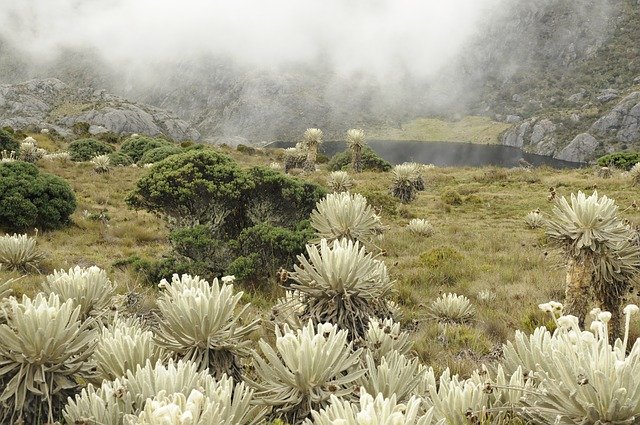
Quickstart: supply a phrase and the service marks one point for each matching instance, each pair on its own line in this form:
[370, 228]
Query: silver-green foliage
[199, 322]
[89, 287]
[345, 215]
[44, 348]
[101, 163]
[378, 411]
[306, 367]
[634, 174]
[339, 181]
[123, 346]
[406, 180]
[420, 226]
[342, 284]
[125, 398]
[384, 337]
[19, 252]
[393, 374]
[452, 308]
[534, 220]
[581, 377]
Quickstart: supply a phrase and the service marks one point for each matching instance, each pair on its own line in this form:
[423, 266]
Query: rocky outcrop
[49, 103]
[580, 149]
[533, 135]
[622, 122]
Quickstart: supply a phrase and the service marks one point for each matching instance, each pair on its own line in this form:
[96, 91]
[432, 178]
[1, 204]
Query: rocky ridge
[50, 103]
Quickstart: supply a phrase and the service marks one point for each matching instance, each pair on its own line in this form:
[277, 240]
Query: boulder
[97, 129]
[542, 129]
[511, 119]
[608, 95]
[580, 149]
[623, 121]
[577, 97]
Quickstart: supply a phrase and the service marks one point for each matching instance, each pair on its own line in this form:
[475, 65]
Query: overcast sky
[377, 36]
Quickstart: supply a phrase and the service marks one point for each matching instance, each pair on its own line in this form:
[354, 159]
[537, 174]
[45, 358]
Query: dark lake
[446, 154]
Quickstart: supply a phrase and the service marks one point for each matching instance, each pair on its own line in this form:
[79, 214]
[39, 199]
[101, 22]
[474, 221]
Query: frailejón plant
[345, 215]
[19, 252]
[339, 181]
[44, 349]
[101, 163]
[404, 178]
[420, 226]
[312, 139]
[356, 141]
[601, 256]
[634, 174]
[199, 322]
[452, 308]
[90, 288]
[534, 219]
[384, 337]
[306, 367]
[342, 284]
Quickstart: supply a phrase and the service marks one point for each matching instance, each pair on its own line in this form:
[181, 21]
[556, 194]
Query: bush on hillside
[137, 146]
[158, 154]
[371, 161]
[120, 159]
[85, 149]
[30, 198]
[7, 142]
[621, 160]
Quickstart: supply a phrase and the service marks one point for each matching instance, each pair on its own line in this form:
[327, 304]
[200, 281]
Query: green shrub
[437, 256]
[81, 129]
[621, 160]
[30, 198]
[195, 187]
[202, 245]
[245, 268]
[136, 146]
[120, 159]
[158, 154]
[247, 150]
[450, 196]
[370, 161]
[85, 149]
[8, 143]
[382, 202]
[108, 137]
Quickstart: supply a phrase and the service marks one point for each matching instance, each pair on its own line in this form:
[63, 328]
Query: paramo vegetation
[144, 282]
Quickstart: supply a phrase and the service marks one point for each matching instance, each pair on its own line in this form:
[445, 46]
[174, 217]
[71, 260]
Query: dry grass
[481, 246]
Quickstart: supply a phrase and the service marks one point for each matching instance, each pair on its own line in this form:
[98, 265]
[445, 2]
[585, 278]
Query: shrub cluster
[85, 149]
[30, 198]
[136, 146]
[371, 161]
[621, 160]
[7, 142]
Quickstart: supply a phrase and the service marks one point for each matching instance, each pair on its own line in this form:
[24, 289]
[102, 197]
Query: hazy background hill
[519, 62]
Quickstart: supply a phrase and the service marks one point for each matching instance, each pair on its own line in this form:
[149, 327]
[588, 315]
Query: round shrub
[621, 160]
[120, 159]
[371, 161]
[137, 146]
[195, 187]
[85, 149]
[7, 142]
[30, 198]
[158, 154]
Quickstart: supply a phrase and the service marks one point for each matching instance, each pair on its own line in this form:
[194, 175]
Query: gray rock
[517, 134]
[542, 129]
[547, 146]
[97, 129]
[636, 80]
[608, 95]
[574, 118]
[517, 98]
[513, 119]
[49, 103]
[577, 97]
[580, 149]
[623, 120]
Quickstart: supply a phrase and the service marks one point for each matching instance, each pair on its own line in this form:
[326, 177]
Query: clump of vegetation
[339, 181]
[312, 139]
[101, 164]
[346, 216]
[601, 257]
[620, 160]
[44, 348]
[8, 142]
[19, 252]
[604, 172]
[136, 146]
[371, 161]
[452, 308]
[294, 158]
[85, 149]
[405, 182]
[119, 159]
[355, 142]
[634, 173]
[158, 154]
[342, 284]
[534, 220]
[420, 226]
[306, 368]
[199, 323]
[450, 196]
[30, 152]
[30, 198]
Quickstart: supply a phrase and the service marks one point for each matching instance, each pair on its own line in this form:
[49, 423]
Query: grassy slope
[497, 253]
[474, 129]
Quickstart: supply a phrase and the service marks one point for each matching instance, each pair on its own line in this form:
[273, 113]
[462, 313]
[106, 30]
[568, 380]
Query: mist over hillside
[268, 70]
